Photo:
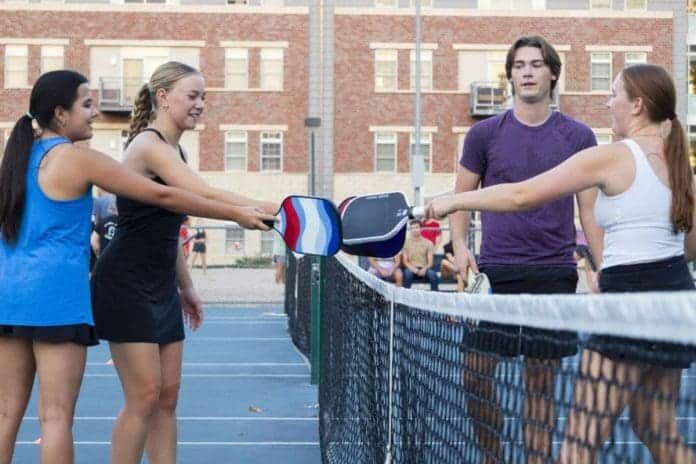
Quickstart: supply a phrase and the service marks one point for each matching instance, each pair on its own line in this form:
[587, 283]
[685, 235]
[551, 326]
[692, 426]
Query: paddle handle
[417, 212]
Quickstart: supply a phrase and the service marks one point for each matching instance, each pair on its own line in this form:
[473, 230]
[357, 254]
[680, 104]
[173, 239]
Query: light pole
[417, 164]
[312, 124]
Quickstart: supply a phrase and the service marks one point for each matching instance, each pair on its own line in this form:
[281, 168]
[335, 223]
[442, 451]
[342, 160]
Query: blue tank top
[44, 277]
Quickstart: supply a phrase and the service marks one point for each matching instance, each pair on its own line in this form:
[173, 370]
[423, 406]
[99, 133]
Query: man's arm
[459, 223]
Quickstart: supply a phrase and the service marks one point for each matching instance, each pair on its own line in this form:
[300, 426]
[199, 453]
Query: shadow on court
[245, 398]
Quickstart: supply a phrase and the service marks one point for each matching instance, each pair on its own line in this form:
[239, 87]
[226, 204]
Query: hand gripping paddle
[309, 225]
[375, 225]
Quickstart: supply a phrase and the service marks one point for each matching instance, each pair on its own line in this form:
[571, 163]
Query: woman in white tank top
[645, 207]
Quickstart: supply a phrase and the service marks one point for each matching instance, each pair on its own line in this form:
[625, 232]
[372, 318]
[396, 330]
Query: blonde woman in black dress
[141, 283]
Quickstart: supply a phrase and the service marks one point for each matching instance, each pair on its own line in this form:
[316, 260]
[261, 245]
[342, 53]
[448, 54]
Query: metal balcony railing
[117, 94]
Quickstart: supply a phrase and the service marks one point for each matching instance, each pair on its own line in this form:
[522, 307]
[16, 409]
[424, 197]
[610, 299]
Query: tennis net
[411, 376]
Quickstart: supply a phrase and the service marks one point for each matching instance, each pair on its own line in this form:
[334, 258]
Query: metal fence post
[317, 292]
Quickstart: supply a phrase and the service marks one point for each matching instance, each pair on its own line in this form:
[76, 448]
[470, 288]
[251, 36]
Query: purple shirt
[501, 149]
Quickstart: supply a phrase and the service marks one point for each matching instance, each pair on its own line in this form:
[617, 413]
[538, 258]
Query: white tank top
[636, 222]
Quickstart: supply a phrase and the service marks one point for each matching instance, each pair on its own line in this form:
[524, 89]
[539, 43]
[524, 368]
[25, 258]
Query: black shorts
[199, 247]
[670, 274]
[514, 340]
[81, 334]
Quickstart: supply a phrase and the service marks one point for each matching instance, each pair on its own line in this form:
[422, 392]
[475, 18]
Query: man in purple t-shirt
[526, 252]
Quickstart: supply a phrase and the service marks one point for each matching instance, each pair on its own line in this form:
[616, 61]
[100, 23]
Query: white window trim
[52, 47]
[412, 142]
[396, 70]
[611, 73]
[246, 152]
[412, 69]
[603, 8]
[628, 62]
[643, 8]
[227, 83]
[396, 151]
[282, 138]
[281, 73]
[25, 56]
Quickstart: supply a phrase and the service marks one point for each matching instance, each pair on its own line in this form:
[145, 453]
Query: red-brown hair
[655, 87]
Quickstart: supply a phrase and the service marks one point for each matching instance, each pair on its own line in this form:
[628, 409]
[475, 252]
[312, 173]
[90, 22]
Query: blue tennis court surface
[245, 397]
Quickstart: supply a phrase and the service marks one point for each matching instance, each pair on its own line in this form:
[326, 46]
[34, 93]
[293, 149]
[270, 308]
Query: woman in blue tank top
[45, 223]
[645, 207]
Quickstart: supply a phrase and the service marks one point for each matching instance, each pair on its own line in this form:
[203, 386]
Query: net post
[316, 297]
[388, 453]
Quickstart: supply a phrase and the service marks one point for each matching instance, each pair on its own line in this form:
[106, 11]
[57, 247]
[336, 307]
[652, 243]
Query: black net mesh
[476, 391]
[298, 301]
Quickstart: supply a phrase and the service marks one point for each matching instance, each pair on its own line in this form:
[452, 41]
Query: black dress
[134, 292]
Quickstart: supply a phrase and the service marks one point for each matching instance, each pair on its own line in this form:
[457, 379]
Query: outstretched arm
[584, 170]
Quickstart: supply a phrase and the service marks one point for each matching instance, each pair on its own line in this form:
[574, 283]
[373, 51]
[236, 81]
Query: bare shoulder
[148, 146]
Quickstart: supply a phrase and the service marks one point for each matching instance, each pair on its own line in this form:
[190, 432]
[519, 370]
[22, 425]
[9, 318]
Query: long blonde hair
[145, 106]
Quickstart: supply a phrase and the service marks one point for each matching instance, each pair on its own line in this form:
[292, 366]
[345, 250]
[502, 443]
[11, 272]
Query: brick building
[264, 78]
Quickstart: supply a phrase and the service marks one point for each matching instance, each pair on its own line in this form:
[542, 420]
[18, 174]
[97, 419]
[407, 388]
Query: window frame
[244, 74]
[228, 140]
[15, 51]
[376, 143]
[412, 69]
[270, 142]
[395, 67]
[427, 166]
[264, 71]
[611, 71]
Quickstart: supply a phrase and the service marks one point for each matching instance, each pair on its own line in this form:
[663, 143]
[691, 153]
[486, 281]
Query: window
[426, 149]
[235, 151]
[423, 3]
[691, 7]
[16, 66]
[234, 241]
[603, 138]
[601, 71]
[237, 68]
[632, 58]
[271, 151]
[51, 58]
[144, 1]
[267, 238]
[272, 68]
[386, 3]
[237, 2]
[600, 4]
[385, 152]
[386, 65]
[510, 4]
[481, 67]
[426, 70]
[636, 4]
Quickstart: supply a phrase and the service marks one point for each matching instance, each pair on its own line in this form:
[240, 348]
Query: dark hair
[655, 87]
[548, 53]
[51, 90]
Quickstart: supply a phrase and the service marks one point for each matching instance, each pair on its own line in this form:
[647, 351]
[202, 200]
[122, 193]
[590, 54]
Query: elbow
[521, 200]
